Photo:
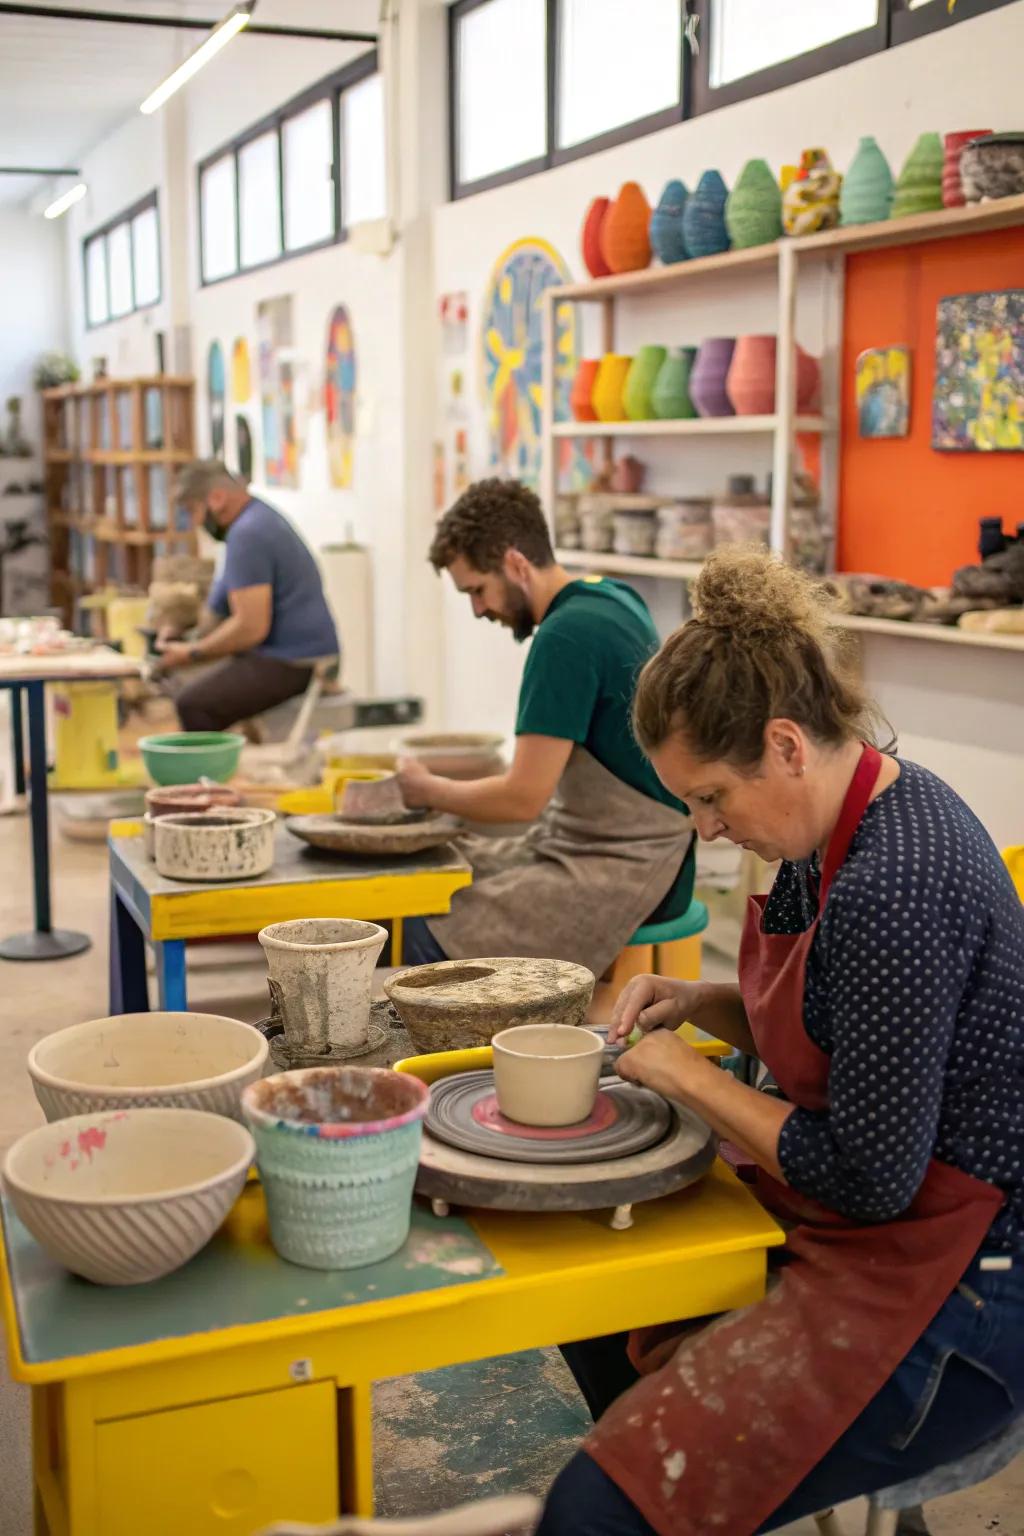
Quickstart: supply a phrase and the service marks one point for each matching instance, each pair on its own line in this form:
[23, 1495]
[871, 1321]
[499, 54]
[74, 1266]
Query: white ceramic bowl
[229, 843]
[127, 1197]
[183, 1060]
[547, 1074]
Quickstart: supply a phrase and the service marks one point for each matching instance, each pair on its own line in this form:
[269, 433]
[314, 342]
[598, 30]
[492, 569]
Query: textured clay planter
[667, 224]
[710, 371]
[866, 193]
[670, 398]
[640, 381]
[229, 844]
[590, 238]
[583, 389]
[545, 1074]
[460, 1003]
[954, 144]
[753, 209]
[321, 978]
[994, 167]
[919, 185]
[704, 230]
[609, 387]
[625, 231]
[750, 383]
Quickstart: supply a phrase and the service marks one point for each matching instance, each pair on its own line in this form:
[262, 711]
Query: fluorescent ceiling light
[65, 201]
[221, 35]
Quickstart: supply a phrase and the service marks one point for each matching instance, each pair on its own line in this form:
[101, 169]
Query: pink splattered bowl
[126, 1197]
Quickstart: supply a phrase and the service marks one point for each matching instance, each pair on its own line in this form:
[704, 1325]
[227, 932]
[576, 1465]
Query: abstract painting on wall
[883, 392]
[215, 390]
[978, 405]
[340, 398]
[277, 392]
[241, 372]
[511, 350]
[454, 311]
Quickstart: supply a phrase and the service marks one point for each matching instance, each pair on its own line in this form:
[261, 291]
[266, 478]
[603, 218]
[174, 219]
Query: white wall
[966, 76]
[33, 313]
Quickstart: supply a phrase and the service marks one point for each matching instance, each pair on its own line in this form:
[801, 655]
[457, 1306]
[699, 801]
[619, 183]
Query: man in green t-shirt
[608, 846]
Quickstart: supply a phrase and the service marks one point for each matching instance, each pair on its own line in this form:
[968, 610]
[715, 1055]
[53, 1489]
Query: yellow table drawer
[227, 1468]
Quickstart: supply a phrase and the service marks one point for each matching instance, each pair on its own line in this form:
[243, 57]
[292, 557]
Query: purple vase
[710, 371]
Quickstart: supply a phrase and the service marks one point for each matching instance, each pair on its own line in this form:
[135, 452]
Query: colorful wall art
[278, 400]
[883, 392]
[510, 353]
[241, 372]
[978, 405]
[454, 312]
[215, 383]
[340, 398]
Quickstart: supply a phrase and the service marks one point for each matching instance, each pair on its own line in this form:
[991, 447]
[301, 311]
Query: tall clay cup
[321, 978]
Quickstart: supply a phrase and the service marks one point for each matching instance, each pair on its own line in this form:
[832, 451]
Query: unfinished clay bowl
[333, 835]
[162, 1060]
[229, 844]
[547, 1074]
[321, 977]
[372, 802]
[459, 1003]
[458, 755]
[128, 1197]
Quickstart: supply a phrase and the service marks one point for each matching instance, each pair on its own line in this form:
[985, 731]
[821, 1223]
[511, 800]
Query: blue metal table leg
[170, 974]
[18, 739]
[129, 992]
[46, 943]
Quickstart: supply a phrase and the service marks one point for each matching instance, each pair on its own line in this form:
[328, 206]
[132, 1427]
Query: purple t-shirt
[263, 549]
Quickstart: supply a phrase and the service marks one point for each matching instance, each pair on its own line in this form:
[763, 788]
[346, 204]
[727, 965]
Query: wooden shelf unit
[111, 449]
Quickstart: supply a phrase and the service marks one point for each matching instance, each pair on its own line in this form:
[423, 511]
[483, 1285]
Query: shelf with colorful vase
[698, 426]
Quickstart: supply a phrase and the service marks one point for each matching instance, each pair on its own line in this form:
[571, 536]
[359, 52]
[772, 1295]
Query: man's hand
[173, 654]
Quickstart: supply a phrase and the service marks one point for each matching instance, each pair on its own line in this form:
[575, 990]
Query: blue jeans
[960, 1385]
[419, 947]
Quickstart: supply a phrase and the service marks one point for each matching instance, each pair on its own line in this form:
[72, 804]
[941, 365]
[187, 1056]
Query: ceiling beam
[38, 170]
[182, 23]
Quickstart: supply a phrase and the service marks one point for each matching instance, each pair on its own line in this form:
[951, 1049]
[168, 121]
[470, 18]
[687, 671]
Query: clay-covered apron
[578, 883]
[716, 1438]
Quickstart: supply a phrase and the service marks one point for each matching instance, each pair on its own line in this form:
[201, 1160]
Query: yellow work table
[145, 907]
[237, 1392]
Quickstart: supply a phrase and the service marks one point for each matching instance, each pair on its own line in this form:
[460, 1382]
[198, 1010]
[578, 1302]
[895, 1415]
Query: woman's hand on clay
[416, 782]
[651, 1002]
[661, 1062]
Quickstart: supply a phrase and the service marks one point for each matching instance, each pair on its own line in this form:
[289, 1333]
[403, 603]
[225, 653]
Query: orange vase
[625, 231]
[590, 238]
[583, 390]
[750, 383]
[609, 386]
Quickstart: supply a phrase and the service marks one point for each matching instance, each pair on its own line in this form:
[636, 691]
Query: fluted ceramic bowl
[138, 1060]
[127, 1197]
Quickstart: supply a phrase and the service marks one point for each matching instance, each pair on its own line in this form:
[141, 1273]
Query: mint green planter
[670, 398]
[753, 209]
[337, 1150]
[866, 193]
[640, 381]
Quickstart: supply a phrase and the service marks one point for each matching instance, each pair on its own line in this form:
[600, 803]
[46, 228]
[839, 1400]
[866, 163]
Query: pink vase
[750, 383]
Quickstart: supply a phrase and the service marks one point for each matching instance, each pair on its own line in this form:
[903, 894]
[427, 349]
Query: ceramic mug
[547, 1074]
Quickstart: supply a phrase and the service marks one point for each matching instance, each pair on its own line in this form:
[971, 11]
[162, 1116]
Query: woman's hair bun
[755, 596]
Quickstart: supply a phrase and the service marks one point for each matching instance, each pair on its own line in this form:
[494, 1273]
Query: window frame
[906, 25]
[103, 232]
[331, 88]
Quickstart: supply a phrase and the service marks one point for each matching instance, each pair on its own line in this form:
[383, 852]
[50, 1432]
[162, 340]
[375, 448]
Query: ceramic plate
[332, 835]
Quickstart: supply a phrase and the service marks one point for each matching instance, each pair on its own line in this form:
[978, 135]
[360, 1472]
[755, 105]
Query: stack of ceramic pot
[866, 193]
[954, 144]
[919, 184]
[633, 532]
[625, 231]
[684, 531]
[595, 524]
[710, 371]
[704, 231]
[753, 209]
[742, 515]
[666, 229]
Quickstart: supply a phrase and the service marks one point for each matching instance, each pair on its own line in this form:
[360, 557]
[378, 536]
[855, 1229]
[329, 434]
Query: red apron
[716, 1438]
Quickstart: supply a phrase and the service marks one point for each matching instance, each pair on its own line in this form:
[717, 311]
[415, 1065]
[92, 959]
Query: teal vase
[640, 381]
[866, 194]
[670, 398]
[753, 209]
[667, 224]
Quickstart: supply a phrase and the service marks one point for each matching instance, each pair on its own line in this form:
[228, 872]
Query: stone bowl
[229, 844]
[157, 1060]
[458, 755]
[127, 1197]
[460, 1003]
[993, 167]
[546, 1074]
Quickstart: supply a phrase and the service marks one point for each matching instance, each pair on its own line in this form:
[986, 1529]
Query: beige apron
[578, 884]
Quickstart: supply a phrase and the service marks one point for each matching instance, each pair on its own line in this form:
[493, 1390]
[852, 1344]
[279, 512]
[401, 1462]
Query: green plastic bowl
[183, 757]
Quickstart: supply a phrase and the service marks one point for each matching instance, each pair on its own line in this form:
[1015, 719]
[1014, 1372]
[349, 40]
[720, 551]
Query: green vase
[919, 185]
[753, 209]
[866, 193]
[640, 379]
[670, 398]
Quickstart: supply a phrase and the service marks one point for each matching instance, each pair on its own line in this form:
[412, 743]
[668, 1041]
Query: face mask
[215, 529]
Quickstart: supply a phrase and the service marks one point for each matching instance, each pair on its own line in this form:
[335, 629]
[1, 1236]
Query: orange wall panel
[905, 510]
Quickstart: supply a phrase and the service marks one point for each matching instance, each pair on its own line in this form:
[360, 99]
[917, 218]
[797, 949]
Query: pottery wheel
[464, 1113]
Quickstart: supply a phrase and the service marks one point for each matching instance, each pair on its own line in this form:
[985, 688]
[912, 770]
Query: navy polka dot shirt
[915, 990]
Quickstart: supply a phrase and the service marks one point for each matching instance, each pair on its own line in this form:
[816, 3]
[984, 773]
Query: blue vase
[667, 224]
[704, 230]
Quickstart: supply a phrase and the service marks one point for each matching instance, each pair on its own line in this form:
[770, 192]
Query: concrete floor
[504, 1426]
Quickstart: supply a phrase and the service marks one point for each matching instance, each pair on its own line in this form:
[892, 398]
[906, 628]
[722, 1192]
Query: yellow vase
[609, 386]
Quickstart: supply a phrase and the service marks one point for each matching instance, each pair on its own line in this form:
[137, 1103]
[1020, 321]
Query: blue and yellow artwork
[978, 405]
[215, 391]
[340, 398]
[883, 392]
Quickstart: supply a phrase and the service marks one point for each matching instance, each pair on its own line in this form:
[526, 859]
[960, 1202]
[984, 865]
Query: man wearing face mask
[609, 846]
[268, 620]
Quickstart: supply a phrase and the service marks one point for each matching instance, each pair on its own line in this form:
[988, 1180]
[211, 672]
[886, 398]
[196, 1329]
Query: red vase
[583, 389]
[955, 144]
[590, 238]
[625, 231]
[750, 382]
[808, 382]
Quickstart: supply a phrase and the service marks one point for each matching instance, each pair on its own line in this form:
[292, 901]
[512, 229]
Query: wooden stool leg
[828, 1524]
[882, 1522]
[681, 959]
